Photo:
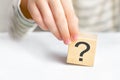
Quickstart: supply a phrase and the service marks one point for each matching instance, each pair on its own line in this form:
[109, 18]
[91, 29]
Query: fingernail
[75, 37]
[67, 42]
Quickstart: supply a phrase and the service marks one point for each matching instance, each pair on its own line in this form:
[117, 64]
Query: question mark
[84, 51]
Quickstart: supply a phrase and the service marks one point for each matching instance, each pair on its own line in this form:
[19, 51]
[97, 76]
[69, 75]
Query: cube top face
[87, 36]
[82, 51]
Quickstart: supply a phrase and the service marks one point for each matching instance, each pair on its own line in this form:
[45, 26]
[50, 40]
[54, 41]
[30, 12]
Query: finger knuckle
[48, 21]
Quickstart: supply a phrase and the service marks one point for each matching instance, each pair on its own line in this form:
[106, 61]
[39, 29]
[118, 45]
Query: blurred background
[5, 14]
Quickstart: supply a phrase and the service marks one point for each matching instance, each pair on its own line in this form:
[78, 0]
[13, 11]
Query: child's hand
[57, 16]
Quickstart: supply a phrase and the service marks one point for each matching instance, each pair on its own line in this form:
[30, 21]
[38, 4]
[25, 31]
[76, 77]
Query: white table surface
[40, 56]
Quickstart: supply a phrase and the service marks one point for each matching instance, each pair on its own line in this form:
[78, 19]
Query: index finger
[60, 19]
[71, 18]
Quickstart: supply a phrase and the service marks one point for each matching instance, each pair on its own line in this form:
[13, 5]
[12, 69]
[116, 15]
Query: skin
[56, 16]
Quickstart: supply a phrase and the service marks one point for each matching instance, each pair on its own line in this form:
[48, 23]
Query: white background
[41, 57]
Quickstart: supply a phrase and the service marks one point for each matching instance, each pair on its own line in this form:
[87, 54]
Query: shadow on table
[36, 45]
[58, 57]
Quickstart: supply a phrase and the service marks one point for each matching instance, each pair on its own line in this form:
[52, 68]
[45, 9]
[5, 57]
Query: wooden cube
[82, 51]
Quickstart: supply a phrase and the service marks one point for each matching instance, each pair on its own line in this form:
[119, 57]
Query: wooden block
[82, 51]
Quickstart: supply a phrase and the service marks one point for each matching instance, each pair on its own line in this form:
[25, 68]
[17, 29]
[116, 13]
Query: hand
[57, 16]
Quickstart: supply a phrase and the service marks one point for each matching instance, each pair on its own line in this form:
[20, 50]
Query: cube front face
[82, 51]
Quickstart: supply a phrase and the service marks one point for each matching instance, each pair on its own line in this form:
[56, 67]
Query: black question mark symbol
[84, 51]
